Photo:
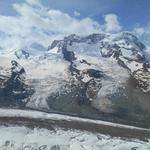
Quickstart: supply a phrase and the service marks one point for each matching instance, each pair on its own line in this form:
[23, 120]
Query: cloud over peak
[36, 24]
[111, 23]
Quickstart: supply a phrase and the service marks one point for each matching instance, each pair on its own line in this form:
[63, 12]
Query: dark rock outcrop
[13, 89]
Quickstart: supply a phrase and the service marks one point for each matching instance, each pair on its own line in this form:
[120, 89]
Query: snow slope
[16, 138]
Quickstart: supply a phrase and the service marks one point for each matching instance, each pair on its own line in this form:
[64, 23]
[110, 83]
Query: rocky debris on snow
[142, 79]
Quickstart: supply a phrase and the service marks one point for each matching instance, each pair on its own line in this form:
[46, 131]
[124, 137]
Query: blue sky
[34, 20]
[130, 12]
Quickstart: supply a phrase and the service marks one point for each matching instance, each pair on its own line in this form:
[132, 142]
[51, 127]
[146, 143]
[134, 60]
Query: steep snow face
[124, 46]
[104, 45]
[16, 138]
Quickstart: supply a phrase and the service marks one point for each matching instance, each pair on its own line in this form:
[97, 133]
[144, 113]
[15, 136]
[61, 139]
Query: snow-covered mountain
[86, 76]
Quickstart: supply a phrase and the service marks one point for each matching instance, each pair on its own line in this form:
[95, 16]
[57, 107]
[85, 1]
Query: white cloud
[142, 30]
[76, 13]
[35, 24]
[139, 31]
[111, 23]
[34, 2]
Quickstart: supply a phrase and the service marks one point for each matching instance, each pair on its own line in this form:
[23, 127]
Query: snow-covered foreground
[22, 138]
